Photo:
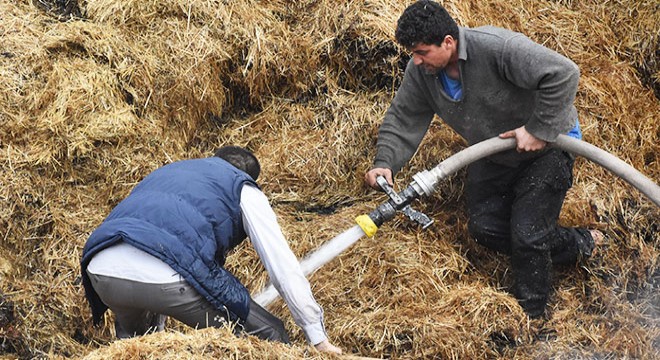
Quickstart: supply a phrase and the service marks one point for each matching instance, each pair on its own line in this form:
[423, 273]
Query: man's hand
[524, 140]
[325, 346]
[371, 175]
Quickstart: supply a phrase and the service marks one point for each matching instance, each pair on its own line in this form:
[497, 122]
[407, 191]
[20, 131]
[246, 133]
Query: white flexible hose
[612, 163]
[564, 142]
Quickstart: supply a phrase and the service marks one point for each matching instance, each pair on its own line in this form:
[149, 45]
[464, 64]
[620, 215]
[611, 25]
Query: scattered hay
[91, 104]
[202, 344]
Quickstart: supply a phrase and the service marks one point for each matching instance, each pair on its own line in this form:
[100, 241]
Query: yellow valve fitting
[367, 225]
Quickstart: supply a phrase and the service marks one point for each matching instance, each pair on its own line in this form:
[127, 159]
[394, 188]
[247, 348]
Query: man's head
[425, 22]
[426, 29]
[241, 158]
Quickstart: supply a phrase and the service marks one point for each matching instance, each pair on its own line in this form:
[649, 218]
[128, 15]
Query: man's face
[434, 58]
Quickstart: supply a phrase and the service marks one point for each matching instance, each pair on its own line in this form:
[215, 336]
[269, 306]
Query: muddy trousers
[515, 211]
[142, 307]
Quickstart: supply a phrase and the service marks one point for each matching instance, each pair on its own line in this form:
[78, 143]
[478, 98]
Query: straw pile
[98, 93]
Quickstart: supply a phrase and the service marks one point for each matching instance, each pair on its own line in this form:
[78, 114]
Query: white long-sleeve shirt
[261, 226]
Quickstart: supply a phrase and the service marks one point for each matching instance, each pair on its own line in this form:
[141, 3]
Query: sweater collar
[462, 46]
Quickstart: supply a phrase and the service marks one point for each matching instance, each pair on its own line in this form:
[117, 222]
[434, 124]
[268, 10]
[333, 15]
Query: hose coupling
[397, 202]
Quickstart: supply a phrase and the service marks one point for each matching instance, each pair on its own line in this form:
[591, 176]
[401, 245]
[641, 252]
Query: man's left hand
[524, 140]
[326, 346]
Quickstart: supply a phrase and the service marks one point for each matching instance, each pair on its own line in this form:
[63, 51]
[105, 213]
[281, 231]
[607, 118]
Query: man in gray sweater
[485, 82]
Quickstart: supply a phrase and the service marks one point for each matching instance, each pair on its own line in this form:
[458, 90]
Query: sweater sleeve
[555, 78]
[405, 124]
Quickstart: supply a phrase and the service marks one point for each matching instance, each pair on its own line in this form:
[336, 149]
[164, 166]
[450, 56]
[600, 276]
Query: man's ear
[449, 41]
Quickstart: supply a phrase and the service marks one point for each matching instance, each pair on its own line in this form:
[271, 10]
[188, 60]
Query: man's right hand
[371, 175]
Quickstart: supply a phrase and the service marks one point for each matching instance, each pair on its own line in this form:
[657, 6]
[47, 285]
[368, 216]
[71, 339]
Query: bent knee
[476, 230]
[493, 238]
[532, 237]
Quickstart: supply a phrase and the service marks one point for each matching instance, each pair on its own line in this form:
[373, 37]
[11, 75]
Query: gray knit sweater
[507, 81]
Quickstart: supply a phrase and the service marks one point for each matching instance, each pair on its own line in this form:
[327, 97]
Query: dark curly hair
[425, 22]
[241, 158]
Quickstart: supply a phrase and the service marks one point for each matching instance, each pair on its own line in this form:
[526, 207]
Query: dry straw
[90, 104]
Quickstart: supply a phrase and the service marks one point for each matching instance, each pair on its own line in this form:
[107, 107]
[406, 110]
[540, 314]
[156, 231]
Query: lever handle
[382, 182]
[417, 216]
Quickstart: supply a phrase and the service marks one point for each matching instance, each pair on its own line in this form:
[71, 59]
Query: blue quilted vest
[188, 215]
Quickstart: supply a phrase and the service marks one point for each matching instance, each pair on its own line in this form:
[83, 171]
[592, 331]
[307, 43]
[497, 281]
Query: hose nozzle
[367, 225]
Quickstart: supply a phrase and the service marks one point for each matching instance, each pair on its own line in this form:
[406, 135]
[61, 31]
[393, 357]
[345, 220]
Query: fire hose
[425, 181]
[424, 184]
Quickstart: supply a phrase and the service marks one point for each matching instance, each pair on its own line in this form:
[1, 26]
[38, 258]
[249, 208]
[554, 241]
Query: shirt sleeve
[262, 228]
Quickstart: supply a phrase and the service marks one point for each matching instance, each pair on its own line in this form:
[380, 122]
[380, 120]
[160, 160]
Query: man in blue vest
[161, 252]
[484, 82]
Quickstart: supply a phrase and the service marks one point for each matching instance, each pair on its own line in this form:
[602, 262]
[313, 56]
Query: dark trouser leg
[489, 199]
[131, 322]
[264, 325]
[539, 194]
[532, 196]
